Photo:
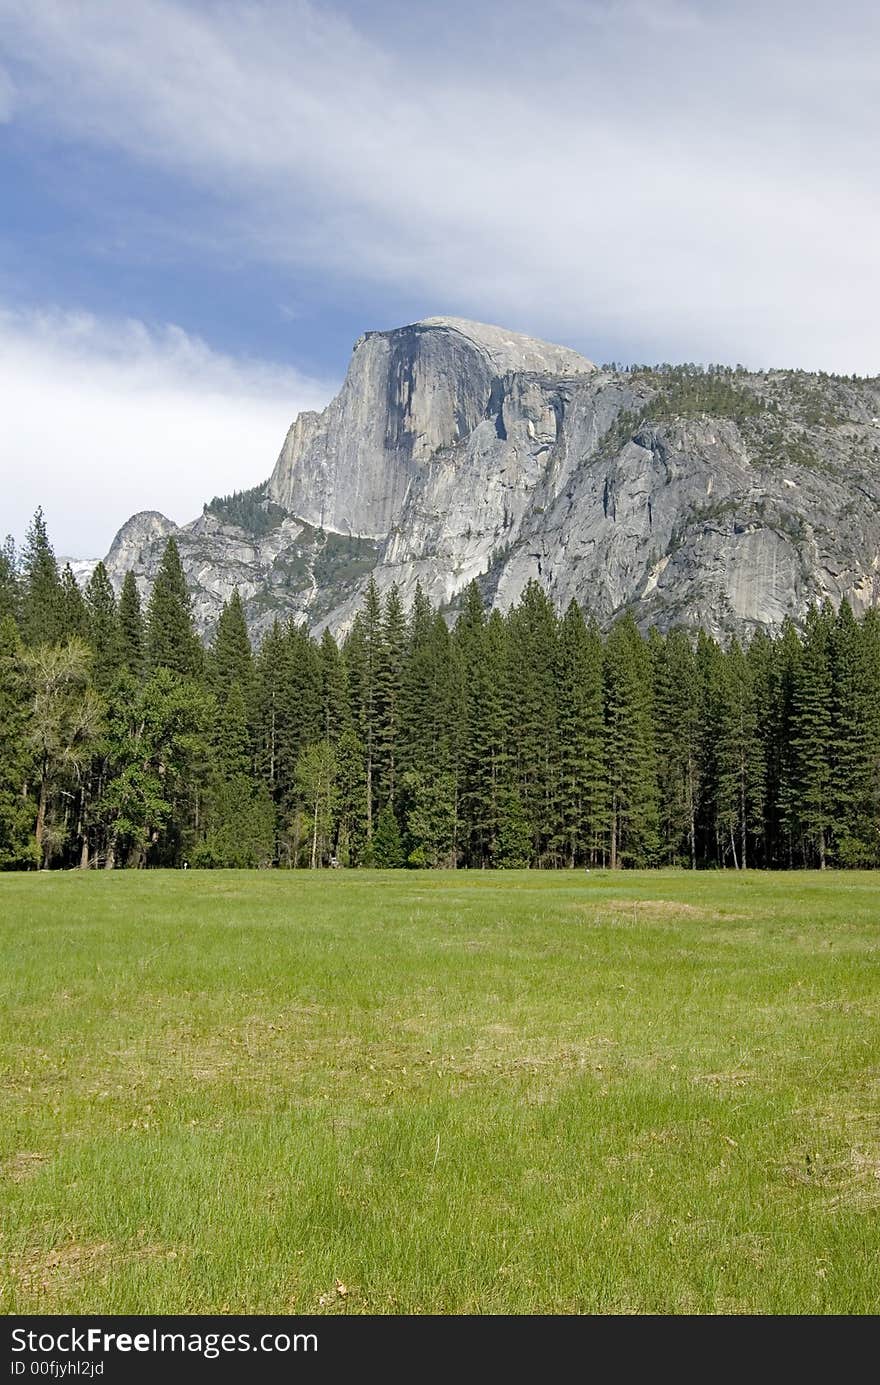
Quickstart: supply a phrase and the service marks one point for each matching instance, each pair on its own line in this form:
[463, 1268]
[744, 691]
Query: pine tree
[387, 848]
[428, 809]
[74, 615]
[418, 736]
[287, 717]
[739, 784]
[131, 627]
[18, 848]
[389, 681]
[482, 655]
[634, 836]
[854, 737]
[351, 803]
[514, 845]
[10, 587]
[335, 711]
[238, 814]
[581, 728]
[363, 652]
[532, 646]
[102, 628]
[171, 639]
[782, 770]
[42, 619]
[812, 805]
[676, 731]
[231, 755]
[760, 655]
[231, 658]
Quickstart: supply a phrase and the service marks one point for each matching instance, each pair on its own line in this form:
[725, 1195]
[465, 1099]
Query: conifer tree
[42, 619]
[10, 587]
[102, 627]
[131, 627]
[231, 755]
[231, 658]
[738, 766]
[812, 805]
[171, 640]
[74, 616]
[362, 657]
[351, 798]
[18, 848]
[676, 723]
[335, 711]
[634, 837]
[483, 678]
[387, 847]
[389, 682]
[581, 730]
[418, 735]
[760, 656]
[532, 646]
[782, 771]
[854, 736]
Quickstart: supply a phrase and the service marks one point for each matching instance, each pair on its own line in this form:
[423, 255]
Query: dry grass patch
[18, 1168]
[50, 1274]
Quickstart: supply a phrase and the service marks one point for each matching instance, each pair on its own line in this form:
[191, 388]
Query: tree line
[529, 739]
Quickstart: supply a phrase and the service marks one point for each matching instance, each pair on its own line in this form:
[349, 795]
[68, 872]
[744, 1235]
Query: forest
[529, 739]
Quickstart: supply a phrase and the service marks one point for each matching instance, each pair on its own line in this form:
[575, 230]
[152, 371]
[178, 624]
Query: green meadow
[413, 1092]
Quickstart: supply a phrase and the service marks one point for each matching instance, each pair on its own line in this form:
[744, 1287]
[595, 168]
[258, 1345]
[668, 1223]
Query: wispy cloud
[101, 419]
[684, 179]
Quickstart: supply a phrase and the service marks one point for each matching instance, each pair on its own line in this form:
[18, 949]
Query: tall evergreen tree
[782, 770]
[531, 663]
[583, 785]
[74, 616]
[10, 587]
[812, 805]
[363, 653]
[676, 731]
[131, 627]
[102, 627]
[231, 659]
[633, 791]
[335, 711]
[389, 683]
[481, 646]
[171, 639]
[854, 736]
[42, 617]
[18, 847]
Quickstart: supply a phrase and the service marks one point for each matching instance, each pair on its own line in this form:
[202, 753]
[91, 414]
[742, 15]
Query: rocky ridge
[458, 451]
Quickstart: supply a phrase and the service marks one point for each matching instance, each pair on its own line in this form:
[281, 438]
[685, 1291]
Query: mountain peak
[511, 351]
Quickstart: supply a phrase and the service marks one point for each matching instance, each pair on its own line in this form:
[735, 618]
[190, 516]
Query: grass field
[414, 1092]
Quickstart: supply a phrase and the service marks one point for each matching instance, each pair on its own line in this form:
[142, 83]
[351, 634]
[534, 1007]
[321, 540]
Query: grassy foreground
[415, 1092]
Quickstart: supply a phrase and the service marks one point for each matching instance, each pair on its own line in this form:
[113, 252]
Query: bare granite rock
[458, 451]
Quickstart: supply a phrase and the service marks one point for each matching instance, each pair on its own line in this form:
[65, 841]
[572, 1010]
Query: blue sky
[204, 204]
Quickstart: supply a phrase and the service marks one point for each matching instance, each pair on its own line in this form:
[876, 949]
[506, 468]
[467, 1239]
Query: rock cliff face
[457, 451]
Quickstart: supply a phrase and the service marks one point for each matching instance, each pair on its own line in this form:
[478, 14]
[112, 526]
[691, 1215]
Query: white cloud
[680, 179]
[101, 419]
